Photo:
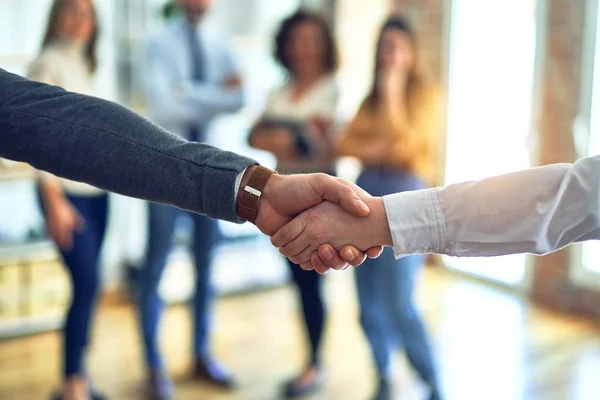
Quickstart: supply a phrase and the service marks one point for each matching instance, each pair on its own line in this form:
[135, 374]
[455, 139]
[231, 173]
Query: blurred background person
[75, 213]
[190, 79]
[391, 135]
[295, 128]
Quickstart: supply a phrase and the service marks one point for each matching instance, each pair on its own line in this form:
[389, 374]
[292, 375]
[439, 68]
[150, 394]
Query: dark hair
[168, 10]
[285, 31]
[52, 32]
[417, 78]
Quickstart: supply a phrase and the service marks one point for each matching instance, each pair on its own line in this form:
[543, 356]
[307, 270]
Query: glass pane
[490, 99]
[591, 250]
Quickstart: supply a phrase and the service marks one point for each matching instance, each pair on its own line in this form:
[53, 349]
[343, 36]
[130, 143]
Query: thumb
[79, 221]
[335, 191]
[374, 252]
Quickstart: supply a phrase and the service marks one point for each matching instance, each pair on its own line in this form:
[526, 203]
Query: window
[587, 255]
[492, 59]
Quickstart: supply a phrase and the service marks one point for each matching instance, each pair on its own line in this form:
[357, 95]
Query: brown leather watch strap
[249, 194]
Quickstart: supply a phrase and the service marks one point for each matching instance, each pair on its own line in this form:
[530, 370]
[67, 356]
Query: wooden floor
[489, 345]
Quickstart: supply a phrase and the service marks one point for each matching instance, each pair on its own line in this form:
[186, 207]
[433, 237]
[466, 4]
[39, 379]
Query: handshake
[321, 222]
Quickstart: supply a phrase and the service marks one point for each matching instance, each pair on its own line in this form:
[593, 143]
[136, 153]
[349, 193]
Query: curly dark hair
[285, 30]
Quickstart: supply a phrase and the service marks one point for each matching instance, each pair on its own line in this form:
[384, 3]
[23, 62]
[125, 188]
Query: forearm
[538, 211]
[101, 143]
[277, 141]
[215, 99]
[369, 151]
[51, 191]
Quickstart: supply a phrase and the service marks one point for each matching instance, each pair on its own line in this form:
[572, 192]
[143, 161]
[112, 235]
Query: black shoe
[296, 388]
[211, 371]
[159, 386]
[384, 390]
[434, 393]
[94, 395]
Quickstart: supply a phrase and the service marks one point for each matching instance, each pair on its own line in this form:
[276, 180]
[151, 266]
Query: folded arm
[277, 140]
[183, 100]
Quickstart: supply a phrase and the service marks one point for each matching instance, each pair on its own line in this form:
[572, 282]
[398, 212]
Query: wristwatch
[250, 193]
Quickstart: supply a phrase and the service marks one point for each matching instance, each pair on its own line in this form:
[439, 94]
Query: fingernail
[362, 205]
[327, 254]
[349, 255]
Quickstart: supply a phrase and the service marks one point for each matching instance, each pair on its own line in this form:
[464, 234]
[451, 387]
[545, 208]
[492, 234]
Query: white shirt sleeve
[538, 211]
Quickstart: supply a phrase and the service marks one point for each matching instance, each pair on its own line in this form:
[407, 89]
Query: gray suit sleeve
[106, 145]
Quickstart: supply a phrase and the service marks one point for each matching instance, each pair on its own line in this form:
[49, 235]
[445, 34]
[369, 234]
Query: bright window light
[492, 57]
[591, 250]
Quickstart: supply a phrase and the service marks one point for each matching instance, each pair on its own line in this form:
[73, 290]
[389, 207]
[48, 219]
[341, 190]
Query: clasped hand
[321, 222]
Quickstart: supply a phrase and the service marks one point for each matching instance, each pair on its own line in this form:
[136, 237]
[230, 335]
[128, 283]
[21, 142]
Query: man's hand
[63, 220]
[328, 258]
[328, 224]
[286, 196]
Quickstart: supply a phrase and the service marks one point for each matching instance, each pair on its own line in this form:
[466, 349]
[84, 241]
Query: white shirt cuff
[238, 182]
[416, 222]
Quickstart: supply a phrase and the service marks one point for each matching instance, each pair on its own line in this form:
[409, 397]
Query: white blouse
[320, 101]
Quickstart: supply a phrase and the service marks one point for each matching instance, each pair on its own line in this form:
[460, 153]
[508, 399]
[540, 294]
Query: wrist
[245, 179]
[378, 226]
[251, 192]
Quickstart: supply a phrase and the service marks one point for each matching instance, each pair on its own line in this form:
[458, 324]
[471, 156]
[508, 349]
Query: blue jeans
[82, 262]
[161, 227]
[385, 290]
[313, 310]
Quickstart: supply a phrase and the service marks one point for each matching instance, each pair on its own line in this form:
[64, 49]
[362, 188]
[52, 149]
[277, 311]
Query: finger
[331, 189]
[303, 256]
[295, 248]
[374, 252]
[79, 222]
[357, 189]
[68, 240]
[317, 263]
[288, 233]
[55, 235]
[320, 268]
[307, 266]
[331, 258]
[352, 255]
[64, 240]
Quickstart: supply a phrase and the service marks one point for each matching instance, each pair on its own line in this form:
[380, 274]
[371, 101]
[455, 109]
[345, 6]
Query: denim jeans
[385, 290]
[313, 309]
[161, 228]
[82, 261]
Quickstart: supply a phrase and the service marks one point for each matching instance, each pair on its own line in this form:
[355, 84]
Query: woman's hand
[277, 140]
[391, 85]
[63, 220]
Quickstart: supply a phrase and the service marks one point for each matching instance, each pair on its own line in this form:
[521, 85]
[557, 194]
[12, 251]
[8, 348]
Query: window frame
[582, 131]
